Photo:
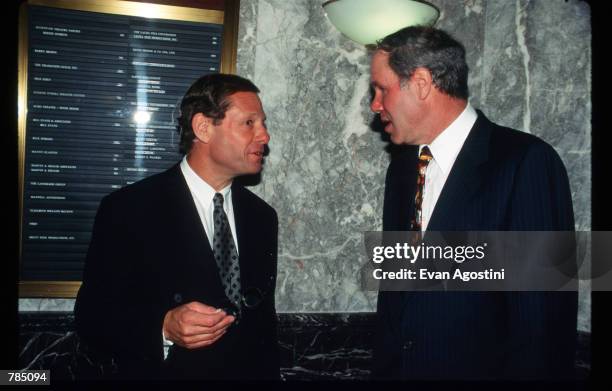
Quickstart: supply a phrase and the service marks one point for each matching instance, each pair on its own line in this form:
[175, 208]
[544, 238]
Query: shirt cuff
[167, 344]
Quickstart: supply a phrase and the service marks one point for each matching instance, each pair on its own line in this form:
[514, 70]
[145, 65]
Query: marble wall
[530, 67]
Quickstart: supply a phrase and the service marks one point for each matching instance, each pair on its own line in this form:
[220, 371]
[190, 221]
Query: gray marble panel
[325, 172]
[537, 65]
[504, 97]
[558, 37]
[580, 162]
[563, 120]
[584, 306]
[247, 33]
[560, 69]
[326, 169]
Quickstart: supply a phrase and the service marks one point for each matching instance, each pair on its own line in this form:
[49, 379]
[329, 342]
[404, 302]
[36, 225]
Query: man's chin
[396, 139]
[254, 168]
[394, 136]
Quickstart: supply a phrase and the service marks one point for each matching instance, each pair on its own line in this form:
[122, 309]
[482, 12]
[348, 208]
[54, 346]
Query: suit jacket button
[178, 298]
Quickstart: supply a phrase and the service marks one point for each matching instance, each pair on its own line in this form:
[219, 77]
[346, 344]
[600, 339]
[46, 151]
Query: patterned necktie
[424, 159]
[225, 253]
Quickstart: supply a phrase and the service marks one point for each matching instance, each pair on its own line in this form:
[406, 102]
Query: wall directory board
[99, 89]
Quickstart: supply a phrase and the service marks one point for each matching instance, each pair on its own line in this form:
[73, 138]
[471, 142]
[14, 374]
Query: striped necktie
[424, 158]
[225, 253]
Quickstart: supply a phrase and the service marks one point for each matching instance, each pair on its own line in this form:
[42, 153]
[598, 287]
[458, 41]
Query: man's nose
[376, 106]
[263, 136]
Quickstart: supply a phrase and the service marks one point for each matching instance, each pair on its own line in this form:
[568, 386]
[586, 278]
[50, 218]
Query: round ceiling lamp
[367, 21]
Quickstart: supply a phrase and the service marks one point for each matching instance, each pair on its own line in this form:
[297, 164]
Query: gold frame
[229, 18]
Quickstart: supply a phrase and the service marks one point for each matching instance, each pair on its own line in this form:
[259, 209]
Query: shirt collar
[446, 145]
[202, 190]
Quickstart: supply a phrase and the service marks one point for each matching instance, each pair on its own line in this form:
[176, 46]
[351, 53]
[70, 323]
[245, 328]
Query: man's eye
[249, 122]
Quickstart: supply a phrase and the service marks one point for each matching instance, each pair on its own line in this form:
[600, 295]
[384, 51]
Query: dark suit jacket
[502, 180]
[148, 254]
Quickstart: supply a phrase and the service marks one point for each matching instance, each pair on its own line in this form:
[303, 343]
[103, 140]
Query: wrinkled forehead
[380, 54]
[380, 61]
[245, 102]
[380, 71]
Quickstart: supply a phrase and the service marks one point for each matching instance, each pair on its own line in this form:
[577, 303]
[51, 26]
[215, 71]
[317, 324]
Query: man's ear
[423, 82]
[201, 126]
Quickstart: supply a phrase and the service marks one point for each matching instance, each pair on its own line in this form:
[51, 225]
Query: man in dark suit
[189, 255]
[475, 176]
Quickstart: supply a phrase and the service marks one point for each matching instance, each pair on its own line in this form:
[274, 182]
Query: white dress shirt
[203, 194]
[444, 149]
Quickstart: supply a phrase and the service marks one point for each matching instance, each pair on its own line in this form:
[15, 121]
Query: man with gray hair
[454, 170]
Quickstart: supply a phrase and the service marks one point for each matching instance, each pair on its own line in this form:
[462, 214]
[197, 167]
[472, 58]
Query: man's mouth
[386, 122]
[387, 125]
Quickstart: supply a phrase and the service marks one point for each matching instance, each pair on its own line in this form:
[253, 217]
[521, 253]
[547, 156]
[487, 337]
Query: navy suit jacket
[149, 254]
[502, 180]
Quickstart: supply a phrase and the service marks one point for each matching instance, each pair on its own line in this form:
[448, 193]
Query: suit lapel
[186, 215]
[193, 235]
[246, 233]
[464, 180]
[193, 251]
[400, 188]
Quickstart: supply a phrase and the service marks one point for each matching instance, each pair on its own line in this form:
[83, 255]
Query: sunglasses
[250, 299]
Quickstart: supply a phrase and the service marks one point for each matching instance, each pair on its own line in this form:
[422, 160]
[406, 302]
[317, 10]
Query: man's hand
[195, 325]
